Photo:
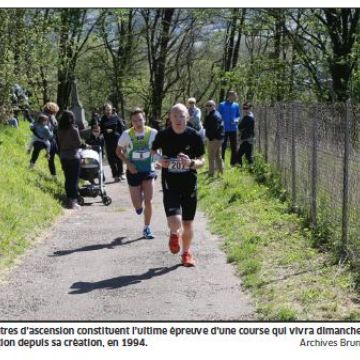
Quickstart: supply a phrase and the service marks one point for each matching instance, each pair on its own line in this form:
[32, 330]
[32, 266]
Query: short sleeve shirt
[126, 143]
[171, 144]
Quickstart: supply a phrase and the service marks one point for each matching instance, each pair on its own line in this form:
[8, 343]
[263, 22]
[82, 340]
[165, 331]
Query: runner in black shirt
[182, 153]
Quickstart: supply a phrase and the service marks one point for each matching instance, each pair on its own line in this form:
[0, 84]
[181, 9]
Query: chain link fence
[316, 149]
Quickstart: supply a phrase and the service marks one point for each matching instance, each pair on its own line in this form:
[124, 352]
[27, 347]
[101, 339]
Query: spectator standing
[112, 127]
[247, 135]
[70, 145]
[194, 114]
[230, 113]
[214, 131]
[40, 139]
[50, 110]
[195, 118]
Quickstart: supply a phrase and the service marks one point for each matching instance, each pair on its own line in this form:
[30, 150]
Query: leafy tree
[73, 29]
[325, 40]
[118, 32]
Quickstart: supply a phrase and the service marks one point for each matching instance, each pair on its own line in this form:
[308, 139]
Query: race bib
[175, 166]
[140, 155]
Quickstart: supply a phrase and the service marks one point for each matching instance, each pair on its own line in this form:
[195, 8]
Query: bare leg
[136, 196]
[148, 190]
[174, 224]
[188, 234]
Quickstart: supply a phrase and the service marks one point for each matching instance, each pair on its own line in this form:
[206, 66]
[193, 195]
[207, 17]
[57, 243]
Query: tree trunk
[342, 25]
[157, 91]
[64, 89]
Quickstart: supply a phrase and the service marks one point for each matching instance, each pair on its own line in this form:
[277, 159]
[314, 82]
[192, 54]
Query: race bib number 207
[175, 166]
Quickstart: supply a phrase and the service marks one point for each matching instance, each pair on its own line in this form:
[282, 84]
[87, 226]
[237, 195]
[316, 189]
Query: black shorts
[179, 202]
[138, 178]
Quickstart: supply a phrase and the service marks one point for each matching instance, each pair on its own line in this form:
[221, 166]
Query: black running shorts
[138, 178]
[180, 203]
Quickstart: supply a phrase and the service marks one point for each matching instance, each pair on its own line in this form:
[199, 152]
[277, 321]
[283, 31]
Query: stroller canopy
[91, 159]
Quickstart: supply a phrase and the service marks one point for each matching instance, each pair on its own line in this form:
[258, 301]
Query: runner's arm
[120, 153]
[197, 163]
[160, 160]
[191, 163]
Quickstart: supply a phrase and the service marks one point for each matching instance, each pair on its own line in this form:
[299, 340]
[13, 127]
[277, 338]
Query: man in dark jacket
[112, 127]
[214, 131]
[247, 135]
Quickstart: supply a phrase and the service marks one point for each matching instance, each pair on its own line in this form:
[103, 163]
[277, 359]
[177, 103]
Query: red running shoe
[174, 243]
[187, 259]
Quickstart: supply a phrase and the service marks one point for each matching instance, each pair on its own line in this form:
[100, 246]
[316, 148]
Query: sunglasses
[208, 105]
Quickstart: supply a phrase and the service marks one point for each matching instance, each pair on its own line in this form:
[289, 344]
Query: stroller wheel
[106, 200]
[81, 201]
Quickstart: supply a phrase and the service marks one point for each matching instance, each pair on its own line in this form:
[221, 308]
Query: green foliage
[272, 251]
[284, 54]
[265, 174]
[6, 64]
[29, 200]
[286, 314]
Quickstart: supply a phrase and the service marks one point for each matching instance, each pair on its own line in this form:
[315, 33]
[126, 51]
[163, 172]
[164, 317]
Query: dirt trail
[94, 265]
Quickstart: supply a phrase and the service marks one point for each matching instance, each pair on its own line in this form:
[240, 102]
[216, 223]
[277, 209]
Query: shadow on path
[116, 242]
[120, 281]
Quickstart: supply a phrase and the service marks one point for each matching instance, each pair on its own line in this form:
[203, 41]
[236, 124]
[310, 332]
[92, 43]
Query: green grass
[30, 200]
[273, 252]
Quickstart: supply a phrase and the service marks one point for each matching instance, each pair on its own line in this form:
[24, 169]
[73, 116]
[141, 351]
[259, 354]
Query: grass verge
[30, 200]
[273, 252]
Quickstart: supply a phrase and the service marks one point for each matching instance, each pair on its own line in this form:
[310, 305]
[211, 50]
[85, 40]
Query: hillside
[29, 199]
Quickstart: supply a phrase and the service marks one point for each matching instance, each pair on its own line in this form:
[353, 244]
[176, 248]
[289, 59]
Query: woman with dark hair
[69, 145]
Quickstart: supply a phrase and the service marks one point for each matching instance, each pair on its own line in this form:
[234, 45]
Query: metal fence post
[260, 119]
[279, 121]
[293, 157]
[266, 139]
[345, 204]
[314, 152]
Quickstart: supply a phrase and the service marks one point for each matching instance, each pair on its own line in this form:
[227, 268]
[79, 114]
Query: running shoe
[147, 233]
[174, 243]
[187, 259]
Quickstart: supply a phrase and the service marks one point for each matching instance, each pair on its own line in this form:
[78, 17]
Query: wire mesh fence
[316, 149]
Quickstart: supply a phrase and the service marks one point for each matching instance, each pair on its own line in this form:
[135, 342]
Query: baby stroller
[91, 169]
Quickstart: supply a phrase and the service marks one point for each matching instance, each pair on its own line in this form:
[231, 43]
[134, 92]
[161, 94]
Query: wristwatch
[192, 163]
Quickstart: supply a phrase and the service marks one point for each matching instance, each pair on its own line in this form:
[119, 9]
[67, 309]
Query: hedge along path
[94, 265]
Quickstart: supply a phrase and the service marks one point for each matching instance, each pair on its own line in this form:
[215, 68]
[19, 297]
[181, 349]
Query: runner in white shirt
[134, 149]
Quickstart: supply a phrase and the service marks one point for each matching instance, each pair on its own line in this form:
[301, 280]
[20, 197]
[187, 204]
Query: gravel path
[94, 265]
